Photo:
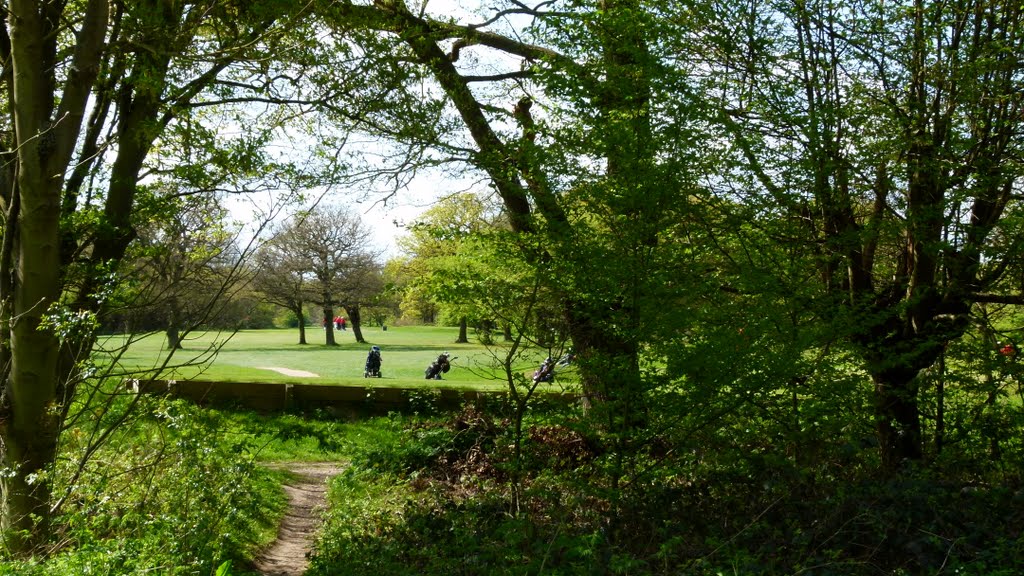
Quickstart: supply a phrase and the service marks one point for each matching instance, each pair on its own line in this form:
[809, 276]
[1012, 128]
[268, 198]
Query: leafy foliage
[726, 497]
[159, 496]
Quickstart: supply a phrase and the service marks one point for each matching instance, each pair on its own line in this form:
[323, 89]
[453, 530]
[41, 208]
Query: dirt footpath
[307, 495]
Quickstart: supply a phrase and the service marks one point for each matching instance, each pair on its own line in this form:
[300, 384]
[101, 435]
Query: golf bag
[546, 372]
[372, 368]
[439, 366]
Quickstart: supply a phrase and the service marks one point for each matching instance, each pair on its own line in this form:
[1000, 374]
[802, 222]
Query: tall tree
[889, 132]
[436, 235]
[535, 130]
[184, 257]
[332, 247]
[280, 278]
[89, 88]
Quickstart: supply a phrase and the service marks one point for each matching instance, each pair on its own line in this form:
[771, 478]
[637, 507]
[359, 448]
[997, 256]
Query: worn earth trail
[307, 495]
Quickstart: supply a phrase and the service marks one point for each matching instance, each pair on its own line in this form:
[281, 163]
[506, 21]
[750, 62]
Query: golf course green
[274, 356]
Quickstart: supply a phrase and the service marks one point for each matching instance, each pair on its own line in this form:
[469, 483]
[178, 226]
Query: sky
[426, 188]
[386, 218]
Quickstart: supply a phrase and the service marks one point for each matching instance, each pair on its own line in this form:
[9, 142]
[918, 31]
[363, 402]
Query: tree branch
[498, 77]
[988, 298]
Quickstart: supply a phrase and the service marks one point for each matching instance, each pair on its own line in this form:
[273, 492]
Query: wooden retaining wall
[277, 396]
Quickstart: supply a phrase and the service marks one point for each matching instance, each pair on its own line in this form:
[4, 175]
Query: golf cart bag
[437, 367]
[372, 369]
[546, 372]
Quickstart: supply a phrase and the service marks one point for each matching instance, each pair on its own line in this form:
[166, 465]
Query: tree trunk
[173, 330]
[29, 449]
[29, 425]
[30, 418]
[355, 319]
[29, 435]
[463, 331]
[623, 101]
[328, 324]
[301, 317]
[173, 338]
[484, 332]
[609, 370]
[897, 418]
[940, 405]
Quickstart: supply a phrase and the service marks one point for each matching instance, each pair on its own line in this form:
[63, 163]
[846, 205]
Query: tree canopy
[792, 211]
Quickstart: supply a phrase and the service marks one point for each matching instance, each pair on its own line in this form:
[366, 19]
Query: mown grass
[248, 356]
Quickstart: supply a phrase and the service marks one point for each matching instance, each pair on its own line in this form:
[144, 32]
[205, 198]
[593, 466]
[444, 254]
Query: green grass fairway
[247, 356]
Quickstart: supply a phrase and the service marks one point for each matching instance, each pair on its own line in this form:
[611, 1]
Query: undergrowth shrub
[173, 492]
[738, 498]
[417, 445]
[379, 525]
[293, 435]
